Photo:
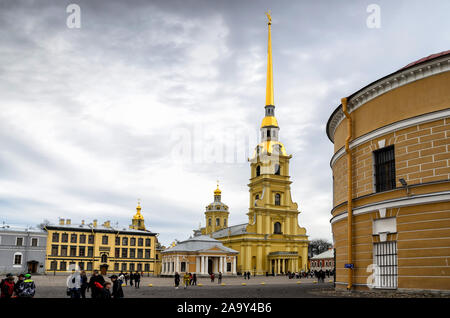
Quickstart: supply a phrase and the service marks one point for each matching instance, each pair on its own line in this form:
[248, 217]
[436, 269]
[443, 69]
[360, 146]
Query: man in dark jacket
[177, 280]
[19, 285]
[96, 278]
[137, 279]
[29, 288]
[117, 291]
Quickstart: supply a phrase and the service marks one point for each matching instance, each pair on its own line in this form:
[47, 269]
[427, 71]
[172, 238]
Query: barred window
[385, 258]
[384, 169]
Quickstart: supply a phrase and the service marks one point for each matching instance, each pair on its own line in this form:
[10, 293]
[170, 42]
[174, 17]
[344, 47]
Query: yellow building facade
[391, 180]
[101, 247]
[272, 241]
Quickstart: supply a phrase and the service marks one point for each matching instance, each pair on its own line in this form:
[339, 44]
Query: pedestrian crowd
[24, 287]
[189, 279]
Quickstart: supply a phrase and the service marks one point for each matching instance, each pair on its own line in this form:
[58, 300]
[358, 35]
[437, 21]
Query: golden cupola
[137, 222]
[216, 213]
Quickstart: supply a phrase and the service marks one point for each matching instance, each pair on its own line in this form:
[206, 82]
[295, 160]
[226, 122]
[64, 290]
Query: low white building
[323, 261]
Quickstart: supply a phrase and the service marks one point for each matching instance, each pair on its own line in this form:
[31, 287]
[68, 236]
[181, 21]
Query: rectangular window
[124, 252]
[81, 265]
[140, 242]
[91, 239]
[62, 266]
[124, 267]
[228, 267]
[18, 259]
[132, 241]
[73, 238]
[117, 240]
[73, 251]
[82, 238]
[90, 251]
[55, 237]
[139, 267]
[82, 251]
[117, 252]
[64, 237]
[132, 253]
[64, 250]
[147, 253]
[54, 250]
[116, 267]
[183, 266]
[147, 267]
[384, 169]
[53, 265]
[140, 253]
[125, 241]
[148, 242]
[89, 266]
[105, 239]
[385, 260]
[131, 267]
[19, 241]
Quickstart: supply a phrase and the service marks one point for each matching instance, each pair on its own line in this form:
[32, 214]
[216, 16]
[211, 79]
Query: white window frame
[23, 240]
[21, 259]
[31, 241]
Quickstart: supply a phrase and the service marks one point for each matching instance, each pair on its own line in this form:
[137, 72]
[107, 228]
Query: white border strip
[391, 128]
[396, 203]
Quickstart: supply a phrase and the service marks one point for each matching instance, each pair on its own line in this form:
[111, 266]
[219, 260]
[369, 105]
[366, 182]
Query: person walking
[84, 284]
[177, 280]
[95, 290]
[245, 275]
[248, 275]
[29, 288]
[219, 278]
[126, 278]
[131, 278]
[212, 277]
[7, 286]
[186, 280]
[194, 279]
[74, 284]
[117, 291]
[121, 278]
[137, 279]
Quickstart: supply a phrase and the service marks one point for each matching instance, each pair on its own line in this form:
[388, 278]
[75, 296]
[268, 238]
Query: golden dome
[269, 121]
[138, 215]
[217, 191]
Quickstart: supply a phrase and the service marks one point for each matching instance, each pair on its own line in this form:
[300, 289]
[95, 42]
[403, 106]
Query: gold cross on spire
[269, 17]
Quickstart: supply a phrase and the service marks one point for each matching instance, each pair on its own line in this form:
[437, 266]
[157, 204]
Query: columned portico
[283, 262]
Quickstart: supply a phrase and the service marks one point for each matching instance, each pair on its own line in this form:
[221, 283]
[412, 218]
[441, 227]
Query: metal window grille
[385, 257]
[384, 169]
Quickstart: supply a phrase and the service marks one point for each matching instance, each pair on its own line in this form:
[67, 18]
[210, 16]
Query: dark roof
[422, 60]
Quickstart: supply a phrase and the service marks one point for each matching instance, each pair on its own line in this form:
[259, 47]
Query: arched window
[277, 199]
[277, 169]
[277, 228]
[258, 171]
[17, 259]
[104, 258]
[225, 222]
[257, 197]
[268, 132]
[209, 222]
[217, 222]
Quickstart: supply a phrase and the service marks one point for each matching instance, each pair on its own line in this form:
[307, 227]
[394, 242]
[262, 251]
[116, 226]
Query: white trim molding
[421, 119]
[395, 80]
[443, 196]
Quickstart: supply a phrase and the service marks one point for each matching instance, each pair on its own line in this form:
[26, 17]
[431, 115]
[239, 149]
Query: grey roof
[198, 244]
[326, 254]
[231, 231]
[99, 228]
[18, 228]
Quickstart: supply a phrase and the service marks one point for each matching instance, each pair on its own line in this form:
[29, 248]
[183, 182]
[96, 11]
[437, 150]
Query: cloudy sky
[159, 99]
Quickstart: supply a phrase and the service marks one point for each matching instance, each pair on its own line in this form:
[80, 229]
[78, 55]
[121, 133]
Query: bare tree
[318, 246]
[43, 225]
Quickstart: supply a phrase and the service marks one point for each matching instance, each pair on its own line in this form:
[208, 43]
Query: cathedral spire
[269, 85]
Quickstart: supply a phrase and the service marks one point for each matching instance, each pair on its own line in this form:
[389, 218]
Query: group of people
[318, 274]
[188, 279]
[78, 284]
[24, 287]
[133, 278]
[247, 275]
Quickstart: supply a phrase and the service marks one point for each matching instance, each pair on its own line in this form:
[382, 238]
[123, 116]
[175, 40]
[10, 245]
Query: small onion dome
[269, 121]
[217, 191]
[138, 215]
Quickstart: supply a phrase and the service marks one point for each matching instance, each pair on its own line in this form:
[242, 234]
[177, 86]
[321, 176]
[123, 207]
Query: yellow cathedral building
[271, 242]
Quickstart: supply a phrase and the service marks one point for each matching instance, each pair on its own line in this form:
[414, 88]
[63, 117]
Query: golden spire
[269, 85]
[217, 191]
[138, 214]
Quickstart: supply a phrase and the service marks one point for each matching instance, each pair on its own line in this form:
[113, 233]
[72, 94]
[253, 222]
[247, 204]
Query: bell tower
[137, 223]
[271, 209]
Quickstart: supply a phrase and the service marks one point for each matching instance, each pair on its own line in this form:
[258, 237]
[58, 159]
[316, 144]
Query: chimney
[68, 222]
[61, 221]
[94, 223]
[107, 224]
[82, 222]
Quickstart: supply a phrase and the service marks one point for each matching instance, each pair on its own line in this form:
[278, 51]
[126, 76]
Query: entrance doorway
[32, 266]
[103, 269]
[210, 266]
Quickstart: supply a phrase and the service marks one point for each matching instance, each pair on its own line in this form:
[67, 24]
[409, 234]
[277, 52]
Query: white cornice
[390, 82]
[443, 196]
[391, 128]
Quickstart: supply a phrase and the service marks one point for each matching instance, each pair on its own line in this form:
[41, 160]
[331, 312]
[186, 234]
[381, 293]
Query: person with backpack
[74, 284]
[96, 278]
[29, 288]
[7, 286]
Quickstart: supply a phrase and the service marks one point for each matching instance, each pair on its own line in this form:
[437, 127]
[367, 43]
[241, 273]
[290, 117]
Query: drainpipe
[349, 192]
